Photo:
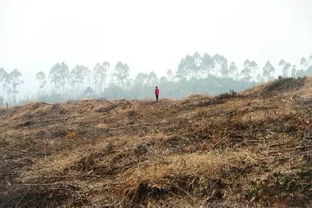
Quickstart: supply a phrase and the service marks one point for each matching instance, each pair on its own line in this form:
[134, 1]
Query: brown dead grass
[248, 149]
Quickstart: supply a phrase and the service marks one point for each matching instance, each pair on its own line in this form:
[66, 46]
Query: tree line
[9, 83]
[195, 74]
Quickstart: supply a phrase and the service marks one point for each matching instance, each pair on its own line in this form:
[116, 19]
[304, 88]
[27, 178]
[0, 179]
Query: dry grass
[208, 164]
[250, 149]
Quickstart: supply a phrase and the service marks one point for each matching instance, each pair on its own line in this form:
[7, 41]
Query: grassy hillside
[247, 149]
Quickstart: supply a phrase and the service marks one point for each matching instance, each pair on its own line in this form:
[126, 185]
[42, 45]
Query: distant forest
[195, 74]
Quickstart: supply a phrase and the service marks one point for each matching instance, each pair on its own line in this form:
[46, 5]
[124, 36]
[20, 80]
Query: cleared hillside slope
[247, 149]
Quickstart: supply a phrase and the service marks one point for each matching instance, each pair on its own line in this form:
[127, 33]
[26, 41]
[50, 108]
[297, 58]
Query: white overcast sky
[150, 35]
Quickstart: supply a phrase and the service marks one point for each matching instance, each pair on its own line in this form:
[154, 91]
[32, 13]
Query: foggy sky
[150, 35]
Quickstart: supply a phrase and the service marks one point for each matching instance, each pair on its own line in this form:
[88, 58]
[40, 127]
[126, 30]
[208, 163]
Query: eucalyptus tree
[305, 67]
[79, 78]
[41, 78]
[99, 76]
[268, 71]
[224, 68]
[152, 79]
[4, 79]
[14, 82]
[169, 75]
[59, 76]
[207, 65]
[246, 73]
[286, 69]
[88, 93]
[197, 65]
[141, 79]
[232, 72]
[220, 66]
[294, 71]
[121, 73]
[255, 73]
[282, 62]
[186, 68]
[280, 66]
[304, 63]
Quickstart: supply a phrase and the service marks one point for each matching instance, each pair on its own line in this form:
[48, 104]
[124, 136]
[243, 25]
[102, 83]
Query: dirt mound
[231, 150]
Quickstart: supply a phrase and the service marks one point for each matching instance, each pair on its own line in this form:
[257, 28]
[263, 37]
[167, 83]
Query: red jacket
[156, 91]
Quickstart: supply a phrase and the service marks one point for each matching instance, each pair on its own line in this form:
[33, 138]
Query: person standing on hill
[156, 93]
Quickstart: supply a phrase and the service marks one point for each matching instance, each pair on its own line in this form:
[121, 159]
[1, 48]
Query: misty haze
[155, 103]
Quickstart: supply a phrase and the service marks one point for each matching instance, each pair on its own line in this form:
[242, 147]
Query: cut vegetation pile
[248, 149]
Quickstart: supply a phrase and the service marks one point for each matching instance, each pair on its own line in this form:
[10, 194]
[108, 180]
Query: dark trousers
[157, 97]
